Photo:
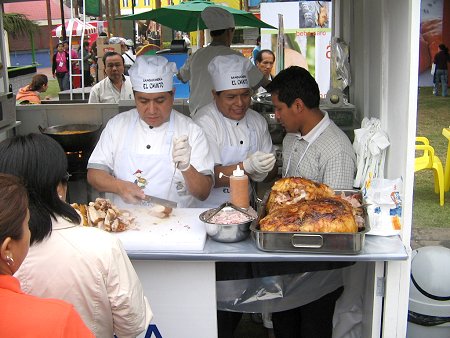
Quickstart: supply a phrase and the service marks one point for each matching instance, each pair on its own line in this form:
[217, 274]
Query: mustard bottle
[239, 189]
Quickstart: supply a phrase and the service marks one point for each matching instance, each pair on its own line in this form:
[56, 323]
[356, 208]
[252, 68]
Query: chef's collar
[316, 131]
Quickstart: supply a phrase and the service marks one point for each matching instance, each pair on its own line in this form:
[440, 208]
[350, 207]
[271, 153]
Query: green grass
[52, 90]
[433, 115]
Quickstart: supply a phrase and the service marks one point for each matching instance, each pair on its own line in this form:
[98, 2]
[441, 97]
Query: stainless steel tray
[310, 242]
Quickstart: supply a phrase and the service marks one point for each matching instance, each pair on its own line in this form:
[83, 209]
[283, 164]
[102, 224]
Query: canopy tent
[186, 16]
[76, 27]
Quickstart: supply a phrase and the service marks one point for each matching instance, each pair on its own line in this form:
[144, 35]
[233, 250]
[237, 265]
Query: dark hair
[108, 54]
[59, 44]
[295, 83]
[42, 164]
[220, 31]
[258, 39]
[38, 81]
[13, 207]
[260, 55]
[443, 47]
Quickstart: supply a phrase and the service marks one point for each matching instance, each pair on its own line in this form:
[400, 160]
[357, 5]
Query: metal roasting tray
[309, 242]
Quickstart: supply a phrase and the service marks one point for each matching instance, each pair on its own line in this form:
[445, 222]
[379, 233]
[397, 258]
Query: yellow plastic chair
[446, 133]
[429, 161]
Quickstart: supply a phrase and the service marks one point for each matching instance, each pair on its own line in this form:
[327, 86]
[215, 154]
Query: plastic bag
[433, 69]
[384, 206]
[340, 66]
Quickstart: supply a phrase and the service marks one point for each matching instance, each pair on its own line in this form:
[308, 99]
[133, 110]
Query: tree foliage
[18, 24]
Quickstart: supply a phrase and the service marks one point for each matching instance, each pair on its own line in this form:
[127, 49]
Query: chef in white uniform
[236, 134]
[141, 149]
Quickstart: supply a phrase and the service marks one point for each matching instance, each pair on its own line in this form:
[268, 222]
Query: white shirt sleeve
[105, 151]
[94, 96]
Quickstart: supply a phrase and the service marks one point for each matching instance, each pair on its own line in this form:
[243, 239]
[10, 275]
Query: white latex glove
[259, 163]
[181, 152]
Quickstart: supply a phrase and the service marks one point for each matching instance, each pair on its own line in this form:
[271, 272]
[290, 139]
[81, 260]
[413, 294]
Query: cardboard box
[109, 48]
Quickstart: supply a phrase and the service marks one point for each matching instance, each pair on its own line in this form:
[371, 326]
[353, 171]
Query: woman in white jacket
[83, 266]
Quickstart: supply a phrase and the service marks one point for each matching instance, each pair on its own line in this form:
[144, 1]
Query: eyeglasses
[66, 177]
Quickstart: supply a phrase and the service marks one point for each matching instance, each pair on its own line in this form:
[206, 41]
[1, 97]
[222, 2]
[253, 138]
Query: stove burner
[77, 163]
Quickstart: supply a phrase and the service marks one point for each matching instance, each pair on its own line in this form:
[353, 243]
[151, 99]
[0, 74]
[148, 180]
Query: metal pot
[262, 103]
[74, 137]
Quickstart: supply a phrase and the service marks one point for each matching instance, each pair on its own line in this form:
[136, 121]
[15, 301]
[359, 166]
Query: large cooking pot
[262, 103]
[74, 137]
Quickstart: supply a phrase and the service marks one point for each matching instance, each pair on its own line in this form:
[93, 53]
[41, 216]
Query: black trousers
[313, 320]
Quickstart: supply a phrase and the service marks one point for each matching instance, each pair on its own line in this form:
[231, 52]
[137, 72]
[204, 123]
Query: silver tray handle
[310, 241]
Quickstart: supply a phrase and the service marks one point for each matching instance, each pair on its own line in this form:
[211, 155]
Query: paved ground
[430, 236]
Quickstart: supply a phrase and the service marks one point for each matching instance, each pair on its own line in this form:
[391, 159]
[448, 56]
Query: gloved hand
[259, 163]
[181, 152]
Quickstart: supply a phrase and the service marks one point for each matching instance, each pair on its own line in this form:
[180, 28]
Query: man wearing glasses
[115, 86]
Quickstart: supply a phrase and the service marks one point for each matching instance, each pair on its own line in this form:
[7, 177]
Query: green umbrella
[186, 17]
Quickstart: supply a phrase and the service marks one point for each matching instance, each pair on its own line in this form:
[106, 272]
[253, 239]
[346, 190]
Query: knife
[161, 201]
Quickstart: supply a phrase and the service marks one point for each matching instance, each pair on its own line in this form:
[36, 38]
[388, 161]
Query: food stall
[179, 280]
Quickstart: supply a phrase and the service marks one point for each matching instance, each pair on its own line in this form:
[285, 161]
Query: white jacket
[89, 268]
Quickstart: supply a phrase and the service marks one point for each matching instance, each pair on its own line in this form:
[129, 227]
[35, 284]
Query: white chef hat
[229, 72]
[216, 18]
[152, 74]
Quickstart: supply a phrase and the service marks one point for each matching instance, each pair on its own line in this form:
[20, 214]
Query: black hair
[260, 54]
[217, 32]
[295, 83]
[443, 48]
[13, 207]
[42, 164]
[108, 54]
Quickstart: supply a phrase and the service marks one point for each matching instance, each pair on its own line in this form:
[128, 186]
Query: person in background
[73, 56]
[265, 60]
[87, 62]
[441, 71]
[314, 148]
[168, 151]
[237, 135]
[128, 54]
[60, 67]
[115, 86]
[220, 22]
[25, 315]
[30, 93]
[84, 266]
[256, 50]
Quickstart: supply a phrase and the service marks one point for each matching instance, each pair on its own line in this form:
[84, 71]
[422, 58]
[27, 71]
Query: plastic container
[239, 189]
[429, 295]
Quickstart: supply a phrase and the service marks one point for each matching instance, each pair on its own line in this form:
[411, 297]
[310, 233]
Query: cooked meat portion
[331, 214]
[290, 190]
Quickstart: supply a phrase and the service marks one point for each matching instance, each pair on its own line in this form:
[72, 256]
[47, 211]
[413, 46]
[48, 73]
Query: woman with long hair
[25, 315]
[30, 93]
[87, 267]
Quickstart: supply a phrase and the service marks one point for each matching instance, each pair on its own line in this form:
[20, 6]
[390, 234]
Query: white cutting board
[181, 231]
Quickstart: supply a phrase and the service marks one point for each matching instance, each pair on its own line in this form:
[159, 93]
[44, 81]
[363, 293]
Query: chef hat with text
[229, 72]
[152, 74]
[216, 18]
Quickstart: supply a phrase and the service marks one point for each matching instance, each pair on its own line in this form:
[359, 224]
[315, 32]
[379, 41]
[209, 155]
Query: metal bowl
[226, 233]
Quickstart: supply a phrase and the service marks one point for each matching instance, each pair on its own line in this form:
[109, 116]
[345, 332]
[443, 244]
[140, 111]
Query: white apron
[229, 155]
[157, 169]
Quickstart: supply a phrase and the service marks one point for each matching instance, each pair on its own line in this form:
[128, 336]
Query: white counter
[180, 285]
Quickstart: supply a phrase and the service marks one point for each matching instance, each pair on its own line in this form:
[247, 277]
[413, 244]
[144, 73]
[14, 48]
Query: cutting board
[181, 231]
